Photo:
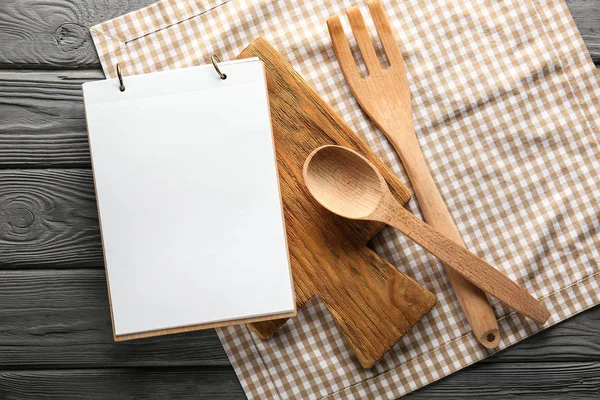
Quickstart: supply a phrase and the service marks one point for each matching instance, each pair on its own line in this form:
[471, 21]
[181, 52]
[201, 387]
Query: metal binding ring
[214, 59]
[120, 76]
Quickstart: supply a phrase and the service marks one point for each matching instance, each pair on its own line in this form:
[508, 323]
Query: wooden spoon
[347, 184]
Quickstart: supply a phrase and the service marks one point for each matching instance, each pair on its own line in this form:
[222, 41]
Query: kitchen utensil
[349, 185]
[384, 95]
[372, 303]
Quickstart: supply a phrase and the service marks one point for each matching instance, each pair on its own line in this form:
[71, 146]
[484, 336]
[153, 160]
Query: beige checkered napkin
[506, 103]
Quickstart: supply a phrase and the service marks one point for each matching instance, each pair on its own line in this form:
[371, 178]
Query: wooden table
[55, 334]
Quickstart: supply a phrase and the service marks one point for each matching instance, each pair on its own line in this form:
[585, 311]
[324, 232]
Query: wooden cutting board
[372, 302]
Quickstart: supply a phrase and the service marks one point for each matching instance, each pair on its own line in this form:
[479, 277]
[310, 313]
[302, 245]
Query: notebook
[188, 199]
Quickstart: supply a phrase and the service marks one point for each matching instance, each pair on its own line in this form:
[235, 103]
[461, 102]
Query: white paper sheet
[188, 197]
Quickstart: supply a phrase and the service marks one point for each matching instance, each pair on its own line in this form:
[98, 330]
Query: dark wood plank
[564, 381]
[531, 381]
[188, 383]
[49, 218]
[55, 33]
[61, 319]
[586, 14]
[42, 121]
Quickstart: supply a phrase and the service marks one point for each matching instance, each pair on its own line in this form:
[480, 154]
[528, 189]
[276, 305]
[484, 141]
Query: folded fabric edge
[112, 36]
[580, 62]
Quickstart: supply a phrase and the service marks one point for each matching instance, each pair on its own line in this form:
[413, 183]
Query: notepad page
[188, 197]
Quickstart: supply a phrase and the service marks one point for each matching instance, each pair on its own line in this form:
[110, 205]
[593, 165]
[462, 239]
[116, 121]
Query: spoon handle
[471, 267]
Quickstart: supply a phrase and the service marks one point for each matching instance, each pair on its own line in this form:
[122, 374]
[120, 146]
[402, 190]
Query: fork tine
[342, 50]
[363, 39]
[386, 36]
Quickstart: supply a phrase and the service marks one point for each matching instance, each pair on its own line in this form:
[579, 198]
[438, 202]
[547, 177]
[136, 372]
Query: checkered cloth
[505, 101]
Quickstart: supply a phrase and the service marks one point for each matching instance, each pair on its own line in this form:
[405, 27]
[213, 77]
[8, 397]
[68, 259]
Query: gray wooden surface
[55, 335]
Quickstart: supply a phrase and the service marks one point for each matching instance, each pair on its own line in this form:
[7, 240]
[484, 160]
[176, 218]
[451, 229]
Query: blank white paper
[188, 197]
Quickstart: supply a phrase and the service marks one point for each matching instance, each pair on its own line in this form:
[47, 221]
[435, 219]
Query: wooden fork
[385, 97]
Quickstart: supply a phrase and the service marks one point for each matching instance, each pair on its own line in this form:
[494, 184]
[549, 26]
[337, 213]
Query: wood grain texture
[54, 33]
[586, 14]
[61, 318]
[42, 123]
[49, 218]
[384, 95]
[530, 381]
[328, 254]
[90, 384]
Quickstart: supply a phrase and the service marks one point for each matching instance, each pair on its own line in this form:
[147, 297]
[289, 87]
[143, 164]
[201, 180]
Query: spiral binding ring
[120, 76]
[214, 59]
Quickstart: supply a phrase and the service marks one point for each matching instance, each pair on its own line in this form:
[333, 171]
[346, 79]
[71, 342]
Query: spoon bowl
[344, 182]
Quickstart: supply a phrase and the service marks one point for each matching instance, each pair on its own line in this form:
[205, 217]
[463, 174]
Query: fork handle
[473, 300]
